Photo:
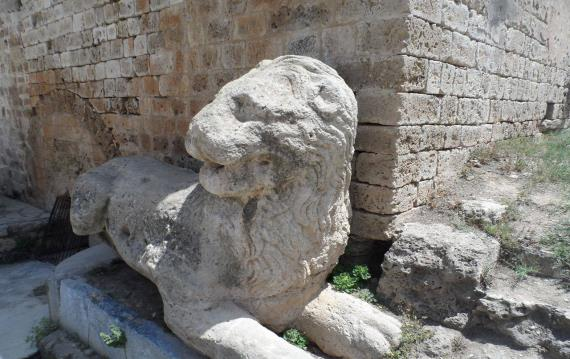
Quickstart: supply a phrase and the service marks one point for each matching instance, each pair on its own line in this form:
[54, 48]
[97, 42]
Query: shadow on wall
[66, 137]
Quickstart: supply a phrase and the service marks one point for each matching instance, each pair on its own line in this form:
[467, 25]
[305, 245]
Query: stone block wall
[473, 72]
[97, 79]
[14, 104]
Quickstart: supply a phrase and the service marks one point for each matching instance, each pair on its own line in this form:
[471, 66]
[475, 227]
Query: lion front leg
[227, 331]
[345, 326]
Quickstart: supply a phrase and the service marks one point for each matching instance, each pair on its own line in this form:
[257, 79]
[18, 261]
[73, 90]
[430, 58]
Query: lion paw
[342, 325]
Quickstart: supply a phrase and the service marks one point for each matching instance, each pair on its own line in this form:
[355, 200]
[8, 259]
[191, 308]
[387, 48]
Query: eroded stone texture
[483, 210]
[253, 236]
[437, 271]
[534, 313]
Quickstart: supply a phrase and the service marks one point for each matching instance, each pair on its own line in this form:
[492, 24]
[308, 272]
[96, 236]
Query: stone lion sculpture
[247, 244]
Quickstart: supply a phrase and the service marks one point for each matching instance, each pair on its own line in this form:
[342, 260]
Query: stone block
[304, 45]
[469, 135]
[371, 226]
[111, 50]
[463, 51]
[133, 26]
[387, 171]
[109, 88]
[434, 77]
[385, 36]
[427, 165]
[428, 262]
[432, 137]
[459, 82]
[126, 8]
[447, 79]
[150, 22]
[121, 87]
[142, 6]
[473, 111]
[111, 12]
[388, 140]
[127, 68]
[449, 110]
[35, 51]
[399, 73]
[161, 63]
[430, 10]
[455, 15]
[515, 41]
[111, 31]
[89, 19]
[78, 22]
[155, 42]
[345, 35]
[426, 191]
[388, 108]
[113, 69]
[382, 200]
[99, 35]
[452, 137]
[427, 40]
[141, 65]
[478, 26]
[140, 45]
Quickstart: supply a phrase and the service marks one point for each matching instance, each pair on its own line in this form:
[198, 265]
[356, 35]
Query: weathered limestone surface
[87, 81]
[251, 239]
[437, 271]
[483, 211]
[534, 313]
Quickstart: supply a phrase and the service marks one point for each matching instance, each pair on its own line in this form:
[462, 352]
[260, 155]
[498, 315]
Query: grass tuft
[558, 241]
[413, 333]
[42, 329]
[522, 271]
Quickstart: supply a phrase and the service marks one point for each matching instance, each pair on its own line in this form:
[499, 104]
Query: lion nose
[221, 141]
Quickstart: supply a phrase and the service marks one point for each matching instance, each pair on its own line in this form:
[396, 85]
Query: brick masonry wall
[433, 78]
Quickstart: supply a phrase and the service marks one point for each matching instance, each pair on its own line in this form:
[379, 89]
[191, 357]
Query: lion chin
[246, 244]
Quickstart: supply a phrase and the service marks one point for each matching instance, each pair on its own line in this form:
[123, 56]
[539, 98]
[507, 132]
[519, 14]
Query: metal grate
[59, 241]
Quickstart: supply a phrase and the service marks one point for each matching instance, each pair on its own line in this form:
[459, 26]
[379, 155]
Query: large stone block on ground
[534, 312]
[437, 271]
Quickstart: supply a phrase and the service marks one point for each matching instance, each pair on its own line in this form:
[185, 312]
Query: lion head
[280, 140]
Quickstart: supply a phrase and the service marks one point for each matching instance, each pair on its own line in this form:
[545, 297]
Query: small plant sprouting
[413, 333]
[361, 272]
[366, 295]
[458, 344]
[296, 337]
[41, 330]
[351, 281]
[345, 282]
[115, 339]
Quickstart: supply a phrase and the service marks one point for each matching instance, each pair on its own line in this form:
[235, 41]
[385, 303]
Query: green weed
[41, 330]
[115, 339]
[296, 337]
[351, 281]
